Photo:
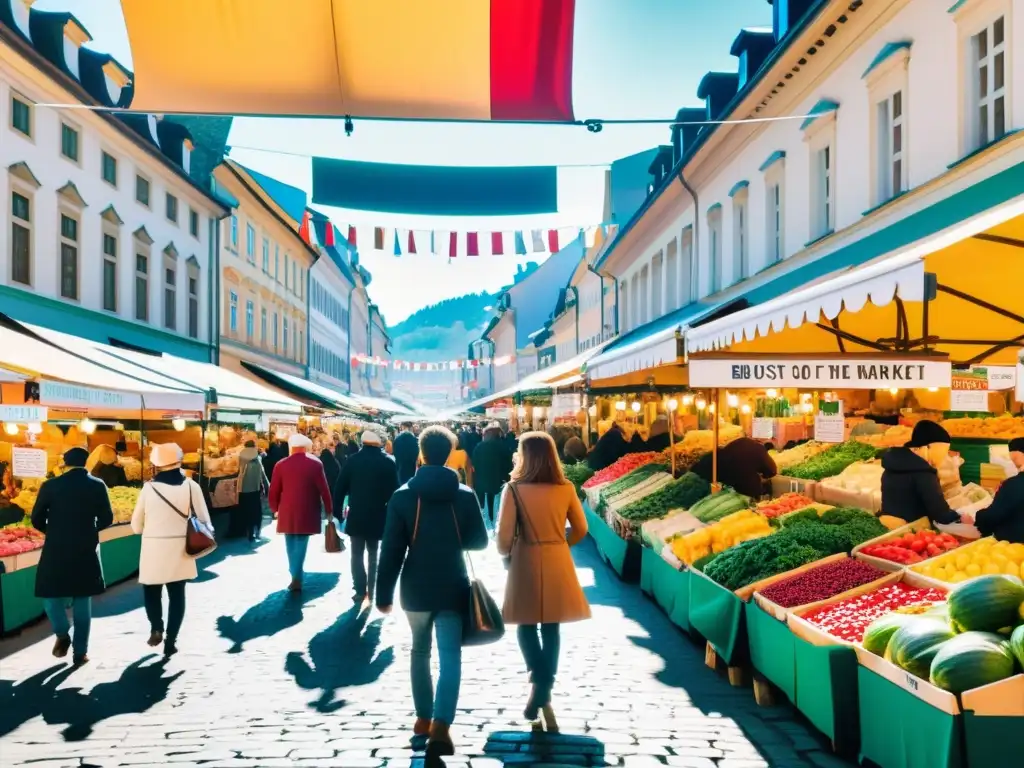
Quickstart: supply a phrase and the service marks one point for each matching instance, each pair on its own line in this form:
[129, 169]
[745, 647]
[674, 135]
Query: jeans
[540, 645]
[81, 610]
[488, 503]
[364, 574]
[295, 545]
[153, 597]
[448, 624]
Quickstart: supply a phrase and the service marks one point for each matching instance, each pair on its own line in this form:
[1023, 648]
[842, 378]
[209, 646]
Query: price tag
[28, 462]
[969, 400]
[762, 428]
[829, 428]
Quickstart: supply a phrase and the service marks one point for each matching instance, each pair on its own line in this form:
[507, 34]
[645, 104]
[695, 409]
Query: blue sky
[632, 59]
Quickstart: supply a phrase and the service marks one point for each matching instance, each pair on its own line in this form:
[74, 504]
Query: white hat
[166, 456]
[299, 440]
[371, 438]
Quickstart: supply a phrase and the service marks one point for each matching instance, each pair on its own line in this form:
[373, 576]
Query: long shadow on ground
[525, 747]
[344, 655]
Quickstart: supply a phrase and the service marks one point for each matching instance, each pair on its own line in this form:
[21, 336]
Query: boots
[439, 741]
[421, 727]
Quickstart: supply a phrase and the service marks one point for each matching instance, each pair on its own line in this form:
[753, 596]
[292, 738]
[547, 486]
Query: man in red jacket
[297, 490]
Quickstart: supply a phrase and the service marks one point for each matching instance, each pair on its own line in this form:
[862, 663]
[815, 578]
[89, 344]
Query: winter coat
[1004, 518]
[911, 489]
[611, 447]
[332, 469]
[112, 475]
[251, 476]
[743, 465]
[492, 464]
[432, 564]
[368, 479]
[406, 450]
[542, 585]
[658, 442]
[275, 453]
[71, 510]
[297, 490]
[163, 559]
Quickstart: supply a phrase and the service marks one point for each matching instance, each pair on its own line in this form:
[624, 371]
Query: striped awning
[442, 59]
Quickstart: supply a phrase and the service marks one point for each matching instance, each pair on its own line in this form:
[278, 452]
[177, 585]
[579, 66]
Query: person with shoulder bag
[543, 590]
[172, 518]
[432, 521]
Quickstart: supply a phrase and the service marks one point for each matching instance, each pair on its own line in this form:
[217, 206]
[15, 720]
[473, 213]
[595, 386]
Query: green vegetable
[679, 494]
[1017, 644]
[578, 474]
[758, 559]
[832, 461]
[838, 530]
[796, 517]
[913, 646]
[702, 563]
[632, 479]
[971, 660]
[986, 603]
[718, 505]
[880, 631]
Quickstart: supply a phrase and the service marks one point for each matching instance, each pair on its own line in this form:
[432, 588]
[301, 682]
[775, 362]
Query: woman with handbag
[543, 590]
[432, 521]
[163, 517]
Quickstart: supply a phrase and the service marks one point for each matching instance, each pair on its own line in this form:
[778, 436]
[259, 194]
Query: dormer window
[117, 79]
[186, 156]
[75, 37]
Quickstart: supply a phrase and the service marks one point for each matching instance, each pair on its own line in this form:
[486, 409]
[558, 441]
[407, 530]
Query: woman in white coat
[161, 517]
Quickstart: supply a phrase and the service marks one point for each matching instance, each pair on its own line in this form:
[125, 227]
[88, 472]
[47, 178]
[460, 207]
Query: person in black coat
[431, 522]
[277, 451]
[71, 510]
[492, 465]
[406, 450]
[743, 465]
[611, 447]
[659, 439]
[910, 481]
[368, 479]
[332, 469]
[1004, 518]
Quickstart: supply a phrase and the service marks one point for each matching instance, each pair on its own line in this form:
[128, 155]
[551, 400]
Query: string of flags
[446, 365]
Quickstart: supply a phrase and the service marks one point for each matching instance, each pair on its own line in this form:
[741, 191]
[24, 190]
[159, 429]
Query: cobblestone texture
[265, 679]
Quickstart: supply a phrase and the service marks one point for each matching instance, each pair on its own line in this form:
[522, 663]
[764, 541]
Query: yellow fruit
[981, 560]
[957, 577]
[1010, 569]
[973, 569]
[992, 568]
[962, 559]
[941, 573]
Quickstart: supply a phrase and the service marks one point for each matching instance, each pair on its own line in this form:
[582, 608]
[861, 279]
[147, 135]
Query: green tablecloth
[826, 691]
[620, 554]
[120, 558]
[668, 587]
[18, 602]
[898, 730]
[997, 741]
[771, 649]
[717, 614]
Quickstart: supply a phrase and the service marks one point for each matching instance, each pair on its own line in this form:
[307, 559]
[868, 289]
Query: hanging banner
[849, 372]
[970, 388]
[57, 393]
[565, 407]
[28, 462]
[23, 414]
[499, 409]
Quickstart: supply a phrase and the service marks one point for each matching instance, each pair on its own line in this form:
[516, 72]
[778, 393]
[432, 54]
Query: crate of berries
[908, 545]
[824, 580]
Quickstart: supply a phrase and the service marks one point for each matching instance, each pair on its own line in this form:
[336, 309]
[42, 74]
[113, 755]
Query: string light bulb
[806, 407]
[771, 394]
[620, 405]
[672, 404]
[933, 389]
[687, 401]
[894, 390]
[178, 424]
[11, 428]
[636, 407]
[745, 409]
[35, 428]
[702, 404]
[733, 401]
[87, 426]
[711, 408]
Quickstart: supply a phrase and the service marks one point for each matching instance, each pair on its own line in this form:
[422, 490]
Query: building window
[250, 320]
[295, 277]
[69, 142]
[109, 272]
[823, 201]
[277, 262]
[671, 279]
[233, 312]
[172, 208]
[286, 272]
[21, 239]
[170, 297]
[193, 223]
[775, 222]
[740, 237]
[263, 326]
[234, 233]
[284, 336]
[142, 190]
[108, 165]
[266, 256]
[687, 273]
[715, 249]
[302, 346]
[250, 243]
[657, 281]
[68, 257]
[275, 331]
[193, 301]
[21, 115]
[890, 153]
[142, 287]
[988, 76]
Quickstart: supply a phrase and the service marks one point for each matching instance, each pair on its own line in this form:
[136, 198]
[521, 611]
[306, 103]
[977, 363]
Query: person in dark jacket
[468, 439]
[659, 439]
[1004, 518]
[743, 465]
[492, 465]
[332, 469]
[103, 464]
[406, 450]
[368, 479]
[278, 450]
[611, 447]
[431, 522]
[910, 481]
[71, 510]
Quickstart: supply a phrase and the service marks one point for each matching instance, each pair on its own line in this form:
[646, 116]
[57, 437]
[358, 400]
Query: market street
[263, 679]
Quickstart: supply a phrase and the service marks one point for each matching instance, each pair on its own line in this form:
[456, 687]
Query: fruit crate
[782, 484]
[922, 524]
[967, 549]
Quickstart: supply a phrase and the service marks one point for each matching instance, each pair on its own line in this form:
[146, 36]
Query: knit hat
[926, 433]
[1017, 444]
[76, 457]
[166, 456]
[299, 440]
[370, 438]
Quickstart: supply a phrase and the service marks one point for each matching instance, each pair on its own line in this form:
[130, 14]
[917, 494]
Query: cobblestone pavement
[265, 679]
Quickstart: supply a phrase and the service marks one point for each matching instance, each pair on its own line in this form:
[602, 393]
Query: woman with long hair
[543, 590]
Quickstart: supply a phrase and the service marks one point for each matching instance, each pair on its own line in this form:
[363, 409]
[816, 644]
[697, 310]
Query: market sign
[565, 406]
[546, 357]
[23, 414]
[28, 462]
[234, 417]
[499, 410]
[847, 372]
[57, 393]
[970, 387]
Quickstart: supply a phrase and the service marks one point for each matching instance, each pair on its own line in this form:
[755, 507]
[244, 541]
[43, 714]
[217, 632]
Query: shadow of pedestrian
[276, 612]
[20, 702]
[529, 747]
[342, 656]
[138, 689]
[225, 549]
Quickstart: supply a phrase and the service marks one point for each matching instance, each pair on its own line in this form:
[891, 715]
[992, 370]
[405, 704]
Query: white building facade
[331, 288]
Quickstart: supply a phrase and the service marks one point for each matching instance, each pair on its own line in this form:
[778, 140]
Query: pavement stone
[265, 679]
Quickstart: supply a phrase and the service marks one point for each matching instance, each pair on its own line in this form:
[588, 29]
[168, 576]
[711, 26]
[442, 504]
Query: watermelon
[986, 604]
[1017, 644]
[880, 631]
[912, 647]
[971, 660]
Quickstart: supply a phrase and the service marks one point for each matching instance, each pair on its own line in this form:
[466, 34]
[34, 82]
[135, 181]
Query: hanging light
[805, 397]
[672, 404]
[178, 424]
[620, 405]
[771, 394]
[745, 409]
[11, 428]
[733, 400]
[119, 426]
[806, 407]
[87, 426]
[35, 428]
[894, 390]
[592, 410]
[711, 408]
[687, 401]
[636, 407]
[933, 389]
[702, 404]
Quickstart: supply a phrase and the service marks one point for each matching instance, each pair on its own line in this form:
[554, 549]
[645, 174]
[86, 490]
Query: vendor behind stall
[102, 464]
[659, 439]
[743, 465]
[910, 480]
[1004, 518]
[610, 448]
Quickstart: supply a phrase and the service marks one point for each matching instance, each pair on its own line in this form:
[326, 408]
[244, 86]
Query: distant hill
[443, 331]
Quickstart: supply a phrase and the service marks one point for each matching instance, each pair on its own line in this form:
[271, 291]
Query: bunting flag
[378, 238]
[305, 228]
[525, 242]
[553, 240]
[453, 245]
[472, 246]
[538, 241]
[412, 242]
[520, 244]
[398, 246]
[443, 365]
[329, 239]
[497, 243]
[433, 249]
[352, 241]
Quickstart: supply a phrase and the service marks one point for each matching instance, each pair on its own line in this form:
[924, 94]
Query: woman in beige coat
[543, 590]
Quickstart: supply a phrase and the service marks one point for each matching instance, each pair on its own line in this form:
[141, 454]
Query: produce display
[786, 503]
[634, 478]
[850, 619]
[834, 531]
[1005, 427]
[686, 456]
[123, 501]
[893, 437]
[18, 538]
[703, 440]
[719, 536]
[647, 486]
[26, 499]
[132, 468]
[831, 461]
[970, 497]
[861, 477]
[987, 604]
[622, 467]
[912, 547]
[821, 583]
[678, 494]
[971, 660]
[578, 474]
[661, 531]
[985, 556]
[718, 505]
[797, 455]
